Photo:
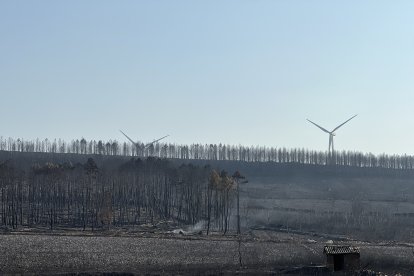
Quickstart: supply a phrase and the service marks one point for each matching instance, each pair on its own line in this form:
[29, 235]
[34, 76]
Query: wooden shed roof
[340, 249]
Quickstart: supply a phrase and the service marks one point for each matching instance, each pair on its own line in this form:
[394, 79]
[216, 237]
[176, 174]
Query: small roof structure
[340, 249]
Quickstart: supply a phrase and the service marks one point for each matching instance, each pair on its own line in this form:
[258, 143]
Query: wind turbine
[331, 134]
[146, 145]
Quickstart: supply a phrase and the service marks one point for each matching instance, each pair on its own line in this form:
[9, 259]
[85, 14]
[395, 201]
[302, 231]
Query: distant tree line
[138, 191]
[211, 152]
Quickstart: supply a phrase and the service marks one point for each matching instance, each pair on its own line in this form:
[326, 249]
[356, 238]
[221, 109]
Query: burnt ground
[261, 252]
[343, 204]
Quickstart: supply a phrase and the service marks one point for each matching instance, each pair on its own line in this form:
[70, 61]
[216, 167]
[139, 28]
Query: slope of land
[363, 203]
[288, 210]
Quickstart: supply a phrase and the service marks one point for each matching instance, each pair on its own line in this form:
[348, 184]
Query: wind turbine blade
[318, 126]
[129, 138]
[155, 141]
[345, 122]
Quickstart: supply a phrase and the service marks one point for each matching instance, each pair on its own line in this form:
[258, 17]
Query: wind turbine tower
[331, 150]
[138, 146]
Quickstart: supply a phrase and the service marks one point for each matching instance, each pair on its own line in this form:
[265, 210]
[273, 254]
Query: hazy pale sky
[236, 72]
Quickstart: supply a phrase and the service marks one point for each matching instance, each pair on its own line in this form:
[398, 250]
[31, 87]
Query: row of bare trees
[212, 152]
[136, 192]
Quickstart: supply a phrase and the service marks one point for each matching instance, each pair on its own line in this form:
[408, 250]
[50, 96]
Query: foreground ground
[265, 252]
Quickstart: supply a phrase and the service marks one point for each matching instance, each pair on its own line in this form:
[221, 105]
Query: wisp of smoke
[197, 227]
[192, 228]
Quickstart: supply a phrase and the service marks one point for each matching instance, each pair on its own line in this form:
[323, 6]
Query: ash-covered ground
[258, 252]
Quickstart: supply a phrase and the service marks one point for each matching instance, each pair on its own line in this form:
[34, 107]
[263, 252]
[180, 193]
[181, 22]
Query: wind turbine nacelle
[333, 134]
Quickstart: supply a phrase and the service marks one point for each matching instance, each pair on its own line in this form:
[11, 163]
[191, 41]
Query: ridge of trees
[211, 152]
[135, 192]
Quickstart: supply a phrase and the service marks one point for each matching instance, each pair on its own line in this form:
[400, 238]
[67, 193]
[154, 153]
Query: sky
[234, 72]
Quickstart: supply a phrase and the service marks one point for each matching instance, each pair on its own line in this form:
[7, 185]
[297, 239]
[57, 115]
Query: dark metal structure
[342, 257]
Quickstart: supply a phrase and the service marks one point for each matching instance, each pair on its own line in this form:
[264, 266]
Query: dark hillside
[369, 203]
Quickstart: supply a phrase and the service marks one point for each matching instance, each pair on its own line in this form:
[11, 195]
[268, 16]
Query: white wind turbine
[138, 146]
[332, 134]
